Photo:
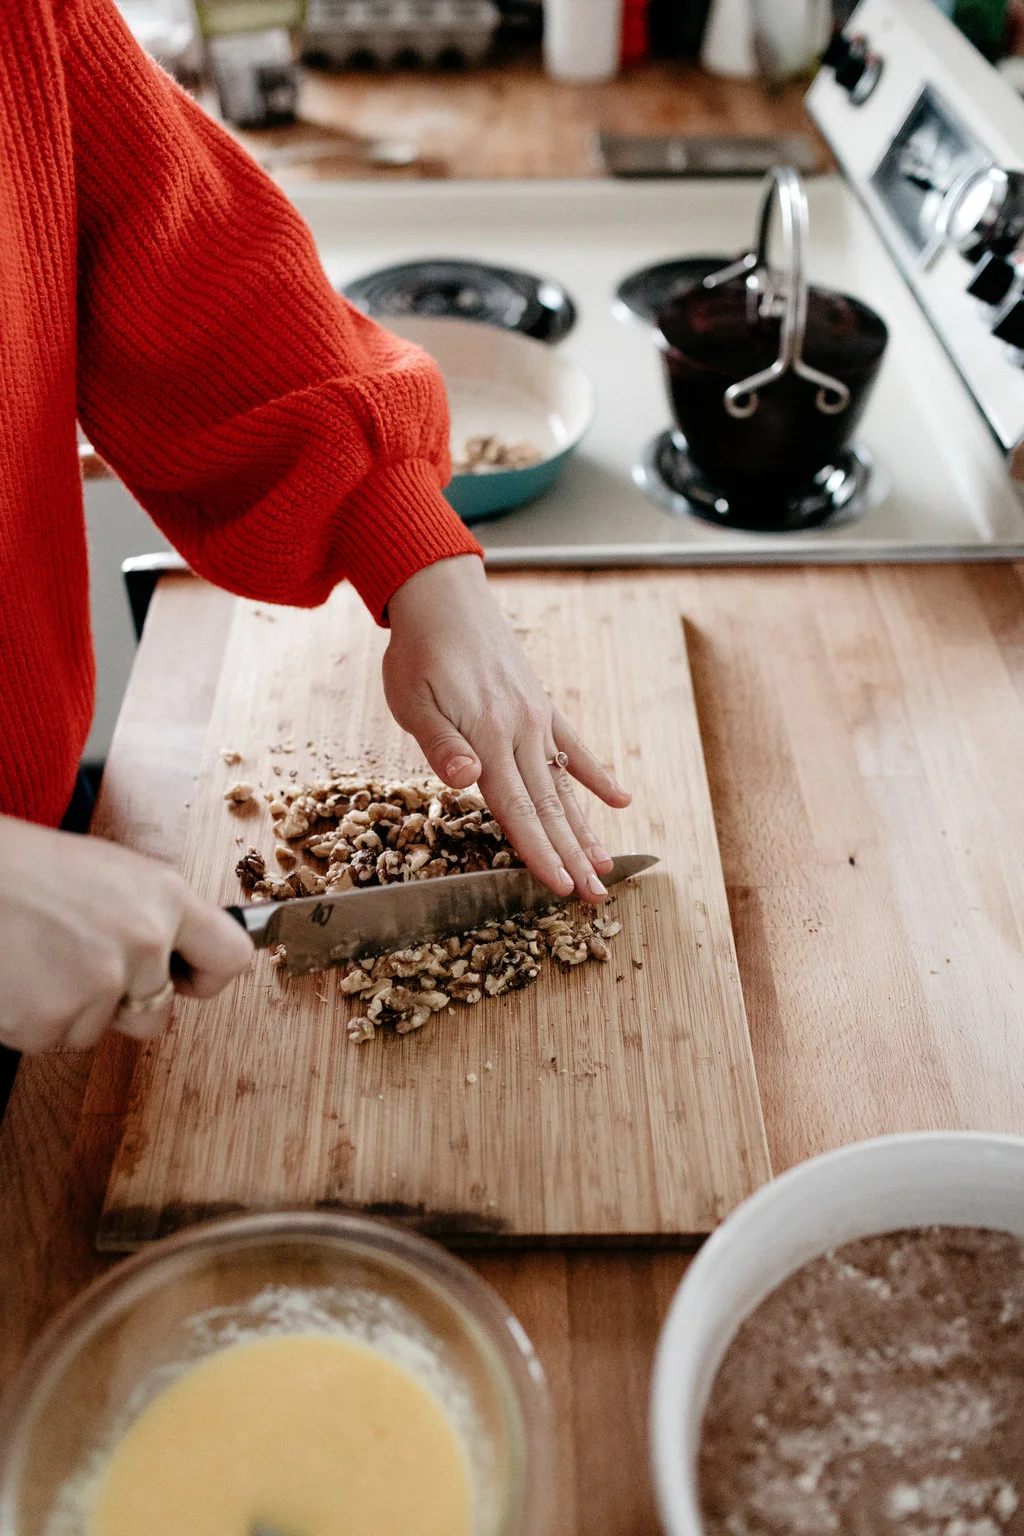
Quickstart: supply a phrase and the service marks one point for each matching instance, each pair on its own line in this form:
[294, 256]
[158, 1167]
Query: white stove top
[941, 488]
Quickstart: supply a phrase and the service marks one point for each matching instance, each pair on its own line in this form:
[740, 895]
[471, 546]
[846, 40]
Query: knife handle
[180, 971]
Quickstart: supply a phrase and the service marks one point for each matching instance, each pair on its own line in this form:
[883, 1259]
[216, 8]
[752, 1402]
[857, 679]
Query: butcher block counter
[862, 733]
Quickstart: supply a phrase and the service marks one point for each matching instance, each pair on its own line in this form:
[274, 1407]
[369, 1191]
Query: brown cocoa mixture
[880, 1389]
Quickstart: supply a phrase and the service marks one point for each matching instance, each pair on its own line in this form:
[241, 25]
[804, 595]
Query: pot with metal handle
[768, 377]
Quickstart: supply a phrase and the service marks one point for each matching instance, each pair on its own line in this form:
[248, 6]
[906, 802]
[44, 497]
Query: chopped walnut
[295, 824]
[251, 868]
[363, 832]
[230, 756]
[607, 928]
[492, 452]
[239, 794]
[277, 887]
[498, 959]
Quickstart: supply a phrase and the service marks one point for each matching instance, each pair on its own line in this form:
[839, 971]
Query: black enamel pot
[768, 378]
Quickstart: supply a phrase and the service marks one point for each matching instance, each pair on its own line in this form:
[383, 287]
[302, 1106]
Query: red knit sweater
[156, 284]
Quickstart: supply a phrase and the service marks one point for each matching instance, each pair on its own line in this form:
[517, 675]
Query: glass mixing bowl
[138, 1328]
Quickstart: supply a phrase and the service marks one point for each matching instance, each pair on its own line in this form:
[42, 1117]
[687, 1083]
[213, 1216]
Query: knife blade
[323, 931]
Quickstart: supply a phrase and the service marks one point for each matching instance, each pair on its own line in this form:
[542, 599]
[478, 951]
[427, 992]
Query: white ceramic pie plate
[503, 384]
[945, 1178]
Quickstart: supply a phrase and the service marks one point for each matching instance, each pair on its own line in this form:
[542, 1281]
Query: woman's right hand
[86, 927]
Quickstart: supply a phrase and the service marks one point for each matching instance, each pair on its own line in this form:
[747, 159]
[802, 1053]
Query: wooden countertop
[510, 120]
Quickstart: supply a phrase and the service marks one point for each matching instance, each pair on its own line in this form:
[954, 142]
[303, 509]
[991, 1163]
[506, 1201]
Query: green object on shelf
[219, 18]
[983, 22]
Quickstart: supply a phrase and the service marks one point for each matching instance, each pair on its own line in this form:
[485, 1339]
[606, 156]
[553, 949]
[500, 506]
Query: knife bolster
[255, 920]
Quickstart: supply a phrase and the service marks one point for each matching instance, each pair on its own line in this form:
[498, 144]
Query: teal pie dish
[505, 385]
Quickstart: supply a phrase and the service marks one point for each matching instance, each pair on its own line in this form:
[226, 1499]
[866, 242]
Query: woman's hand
[88, 927]
[456, 678]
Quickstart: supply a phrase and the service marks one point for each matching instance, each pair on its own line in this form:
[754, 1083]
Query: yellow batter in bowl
[302, 1435]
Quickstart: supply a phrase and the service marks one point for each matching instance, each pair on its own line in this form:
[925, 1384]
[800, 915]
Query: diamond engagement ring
[151, 1004]
[560, 760]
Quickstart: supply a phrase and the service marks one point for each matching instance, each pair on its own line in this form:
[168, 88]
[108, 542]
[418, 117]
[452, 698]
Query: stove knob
[993, 279]
[985, 212]
[857, 69]
[1011, 327]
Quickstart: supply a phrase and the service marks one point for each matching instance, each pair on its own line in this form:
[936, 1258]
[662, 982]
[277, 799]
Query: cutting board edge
[120, 1232]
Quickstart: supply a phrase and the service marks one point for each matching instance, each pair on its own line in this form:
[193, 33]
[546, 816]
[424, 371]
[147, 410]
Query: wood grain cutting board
[620, 1100]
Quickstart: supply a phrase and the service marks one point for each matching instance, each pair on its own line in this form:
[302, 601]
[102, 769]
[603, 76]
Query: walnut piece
[251, 868]
[480, 454]
[239, 794]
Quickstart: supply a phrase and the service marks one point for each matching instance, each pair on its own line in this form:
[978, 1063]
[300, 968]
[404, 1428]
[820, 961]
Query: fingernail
[597, 854]
[619, 789]
[458, 765]
[566, 880]
[595, 887]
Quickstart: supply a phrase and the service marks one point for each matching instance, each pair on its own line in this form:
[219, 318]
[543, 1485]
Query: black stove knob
[993, 279]
[1011, 326]
[857, 69]
[836, 52]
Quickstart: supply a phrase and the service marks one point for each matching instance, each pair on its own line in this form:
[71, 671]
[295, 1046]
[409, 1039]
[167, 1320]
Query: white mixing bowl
[955, 1178]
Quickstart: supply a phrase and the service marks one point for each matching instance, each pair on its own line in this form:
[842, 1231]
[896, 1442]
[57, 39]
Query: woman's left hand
[456, 678]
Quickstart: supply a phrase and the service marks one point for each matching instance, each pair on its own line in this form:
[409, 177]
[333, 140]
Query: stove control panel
[931, 138]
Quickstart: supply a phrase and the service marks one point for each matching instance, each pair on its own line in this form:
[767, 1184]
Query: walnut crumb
[239, 794]
[230, 756]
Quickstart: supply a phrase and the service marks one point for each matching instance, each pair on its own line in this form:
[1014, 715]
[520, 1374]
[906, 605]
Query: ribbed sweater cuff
[396, 523]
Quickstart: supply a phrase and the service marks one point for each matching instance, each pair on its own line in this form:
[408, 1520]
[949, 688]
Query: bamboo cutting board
[616, 1101]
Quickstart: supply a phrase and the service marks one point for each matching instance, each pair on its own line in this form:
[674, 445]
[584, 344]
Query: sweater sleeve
[281, 440]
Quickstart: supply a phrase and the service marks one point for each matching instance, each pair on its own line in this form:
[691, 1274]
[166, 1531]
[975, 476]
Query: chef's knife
[322, 931]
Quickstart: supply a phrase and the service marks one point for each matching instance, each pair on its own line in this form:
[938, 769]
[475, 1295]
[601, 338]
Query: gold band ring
[560, 760]
[151, 1004]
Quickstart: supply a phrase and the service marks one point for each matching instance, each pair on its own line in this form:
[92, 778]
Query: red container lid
[636, 42]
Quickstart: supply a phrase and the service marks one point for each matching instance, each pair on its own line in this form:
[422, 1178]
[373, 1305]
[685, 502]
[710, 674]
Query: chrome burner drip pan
[504, 297]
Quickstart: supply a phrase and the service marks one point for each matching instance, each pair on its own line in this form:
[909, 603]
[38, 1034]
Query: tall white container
[582, 39]
[728, 46]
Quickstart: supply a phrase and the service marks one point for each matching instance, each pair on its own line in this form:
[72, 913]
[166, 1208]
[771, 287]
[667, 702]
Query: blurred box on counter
[341, 34]
[250, 50]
